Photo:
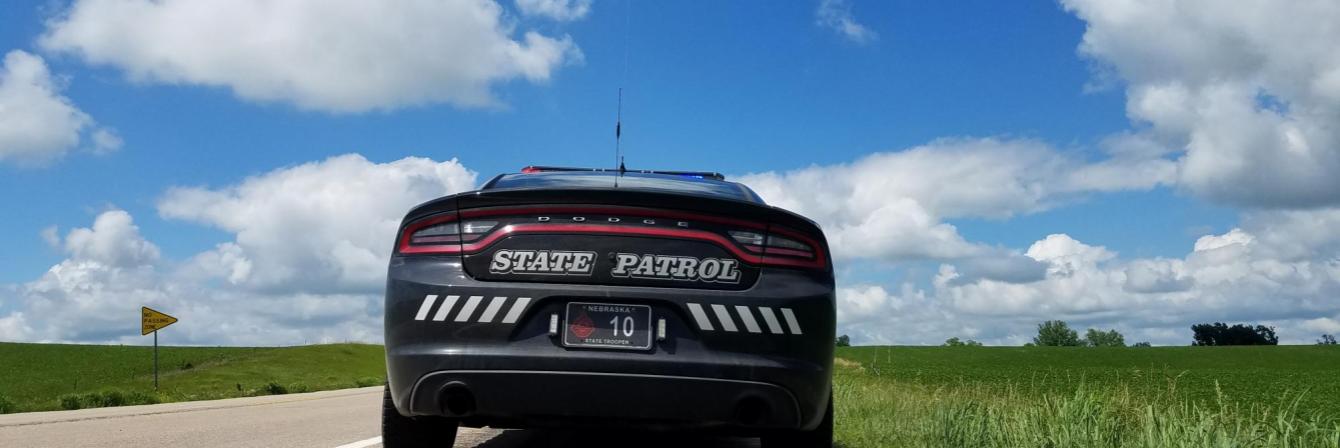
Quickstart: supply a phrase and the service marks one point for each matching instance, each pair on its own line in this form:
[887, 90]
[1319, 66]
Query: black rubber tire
[399, 431]
[819, 437]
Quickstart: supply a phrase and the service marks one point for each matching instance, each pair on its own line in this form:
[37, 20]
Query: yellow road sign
[151, 320]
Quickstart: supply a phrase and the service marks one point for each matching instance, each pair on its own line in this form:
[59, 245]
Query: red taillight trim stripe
[790, 252]
[816, 262]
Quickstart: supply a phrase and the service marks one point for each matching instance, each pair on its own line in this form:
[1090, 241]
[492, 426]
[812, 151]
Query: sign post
[151, 321]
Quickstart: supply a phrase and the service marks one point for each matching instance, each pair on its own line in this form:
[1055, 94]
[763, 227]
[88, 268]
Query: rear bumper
[696, 378]
[549, 398]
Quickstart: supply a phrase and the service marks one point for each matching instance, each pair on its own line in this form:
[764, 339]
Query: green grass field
[1088, 397]
[41, 377]
[885, 396]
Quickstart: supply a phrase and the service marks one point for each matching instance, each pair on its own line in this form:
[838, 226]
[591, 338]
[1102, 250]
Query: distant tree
[1220, 333]
[1326, 339]
[955, 342]
[1055, 333]
[843, 341]
[1141, 344]
[1109, 338]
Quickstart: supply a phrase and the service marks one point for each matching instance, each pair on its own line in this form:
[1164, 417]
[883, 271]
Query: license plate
[607, 325]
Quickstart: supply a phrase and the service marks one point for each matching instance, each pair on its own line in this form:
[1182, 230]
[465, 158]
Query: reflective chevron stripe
[515, 313]
[466, 311]
[700, 317]
[726, 320]
[446, 307]
[724, 317]
[746, 318]
[494, 305]
[426, 306]
[791, 321]
[771, 319]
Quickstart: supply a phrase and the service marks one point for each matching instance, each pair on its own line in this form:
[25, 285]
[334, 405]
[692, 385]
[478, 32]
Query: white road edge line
[362, 443]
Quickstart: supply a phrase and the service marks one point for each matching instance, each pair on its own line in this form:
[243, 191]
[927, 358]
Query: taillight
[438, 234]
[753, 240]
[472, 230]
[444, 236]
[475, 230]
[772, 244]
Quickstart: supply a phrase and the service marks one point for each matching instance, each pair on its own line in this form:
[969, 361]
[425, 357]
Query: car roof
[686, 183]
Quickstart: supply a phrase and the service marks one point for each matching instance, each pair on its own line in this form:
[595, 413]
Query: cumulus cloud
[328, 55]
[307, 264]
[836, 15]
[893, 205]
[37, 123]
[319, 225]
[1250, 274]
[1249, 95]
[560, 10]
[89, 295]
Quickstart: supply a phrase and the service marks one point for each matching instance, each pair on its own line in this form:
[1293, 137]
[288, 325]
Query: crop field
[42, 377]
[1088, 397]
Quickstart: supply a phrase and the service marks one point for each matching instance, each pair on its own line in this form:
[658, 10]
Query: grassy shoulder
[43, 377]
[1086, 397]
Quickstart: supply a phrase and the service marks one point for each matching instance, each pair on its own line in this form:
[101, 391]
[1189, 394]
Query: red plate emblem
[582, 326]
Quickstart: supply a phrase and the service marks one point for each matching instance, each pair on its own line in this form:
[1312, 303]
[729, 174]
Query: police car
[590, 299]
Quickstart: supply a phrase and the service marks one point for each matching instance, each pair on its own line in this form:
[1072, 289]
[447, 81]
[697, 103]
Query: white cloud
[307, 264]
[836, 15]
[51, 236]
[110, 271]
[325, 225]
[37, 124]
[105, 140]
[1248, 95]
[14, 328]
[1252, 274]
[561, 10]
[893, 205]
[114, 240]
[329, 55]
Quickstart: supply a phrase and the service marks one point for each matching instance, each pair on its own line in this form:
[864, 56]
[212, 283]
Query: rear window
[640, 181]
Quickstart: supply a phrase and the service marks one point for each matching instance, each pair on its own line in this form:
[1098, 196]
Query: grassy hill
[40, 377]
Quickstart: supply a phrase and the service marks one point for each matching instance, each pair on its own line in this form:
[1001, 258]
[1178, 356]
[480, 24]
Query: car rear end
[563, 299]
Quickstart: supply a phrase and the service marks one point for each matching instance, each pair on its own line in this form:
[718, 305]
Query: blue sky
[736, 87]
[756, 93]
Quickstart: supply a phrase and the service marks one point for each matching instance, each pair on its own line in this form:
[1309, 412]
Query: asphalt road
[333, 419]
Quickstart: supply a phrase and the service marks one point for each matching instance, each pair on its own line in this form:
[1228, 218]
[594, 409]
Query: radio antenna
[618, 118]
[618, 134]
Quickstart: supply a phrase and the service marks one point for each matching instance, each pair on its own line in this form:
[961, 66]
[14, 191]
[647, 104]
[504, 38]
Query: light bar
[552, 169]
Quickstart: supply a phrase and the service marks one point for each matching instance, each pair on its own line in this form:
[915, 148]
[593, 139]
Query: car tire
[819, 437]
[399, 431]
